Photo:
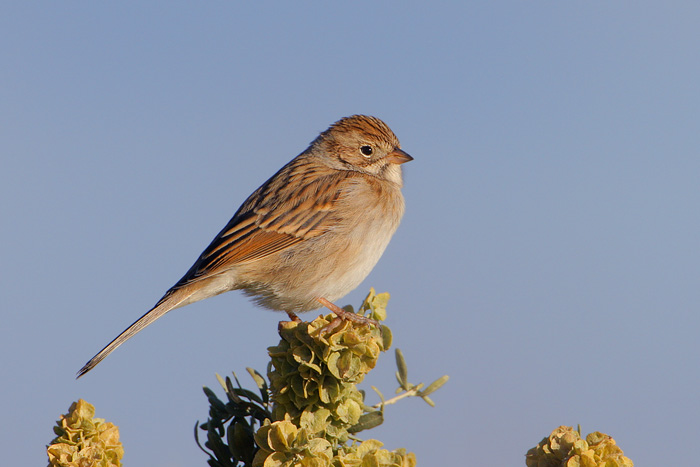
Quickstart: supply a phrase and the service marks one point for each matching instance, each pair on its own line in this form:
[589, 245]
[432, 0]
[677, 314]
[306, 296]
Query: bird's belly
[329, 266]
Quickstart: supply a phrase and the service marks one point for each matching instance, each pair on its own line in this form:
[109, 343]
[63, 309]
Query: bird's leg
[293, 316]
[346, 315]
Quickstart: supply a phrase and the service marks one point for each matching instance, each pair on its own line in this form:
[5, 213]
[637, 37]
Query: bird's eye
[366, 150]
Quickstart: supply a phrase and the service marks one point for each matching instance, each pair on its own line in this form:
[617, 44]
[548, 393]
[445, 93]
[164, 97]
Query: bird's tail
[175, 298]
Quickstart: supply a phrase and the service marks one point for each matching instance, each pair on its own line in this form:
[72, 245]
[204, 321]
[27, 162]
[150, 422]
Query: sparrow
[308, 236]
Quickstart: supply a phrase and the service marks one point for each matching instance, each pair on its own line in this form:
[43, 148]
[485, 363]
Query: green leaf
[402, 374]
[236, 378]
[196, 438]
[435, 385]
[381, 396]
[368, 299]
[241, 441]
[368, 421]
[428, 400]
[387, 337]
[213, 400]
[231, 392]
[221, 380]
[258, 378]
[233, 446]
[220, 450]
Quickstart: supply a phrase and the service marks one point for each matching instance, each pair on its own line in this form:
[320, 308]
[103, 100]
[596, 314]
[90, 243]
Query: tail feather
[173, 299]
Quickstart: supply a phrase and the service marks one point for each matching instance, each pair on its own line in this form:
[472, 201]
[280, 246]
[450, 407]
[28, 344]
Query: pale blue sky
[548, 261]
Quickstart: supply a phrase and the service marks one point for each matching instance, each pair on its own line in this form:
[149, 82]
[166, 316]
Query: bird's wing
[271, 220]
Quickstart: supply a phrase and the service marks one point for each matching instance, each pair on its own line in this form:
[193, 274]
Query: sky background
[548, 260]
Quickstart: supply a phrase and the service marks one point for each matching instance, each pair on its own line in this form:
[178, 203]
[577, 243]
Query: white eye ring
[366, 150]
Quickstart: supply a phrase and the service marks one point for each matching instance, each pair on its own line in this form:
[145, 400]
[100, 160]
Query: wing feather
[294, 205]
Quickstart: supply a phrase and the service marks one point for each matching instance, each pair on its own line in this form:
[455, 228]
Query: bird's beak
[398, 156]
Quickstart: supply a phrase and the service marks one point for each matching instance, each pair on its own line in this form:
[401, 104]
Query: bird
[306, 237]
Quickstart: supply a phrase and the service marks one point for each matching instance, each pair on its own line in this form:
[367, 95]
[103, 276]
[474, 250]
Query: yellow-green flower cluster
[315, 368]
[368, 453]
[84, 441]
[313, 375]
[282, 444]
[565, 448]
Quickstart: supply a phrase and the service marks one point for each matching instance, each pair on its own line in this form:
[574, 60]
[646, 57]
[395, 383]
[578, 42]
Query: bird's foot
[346, 315]
[293, 316]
